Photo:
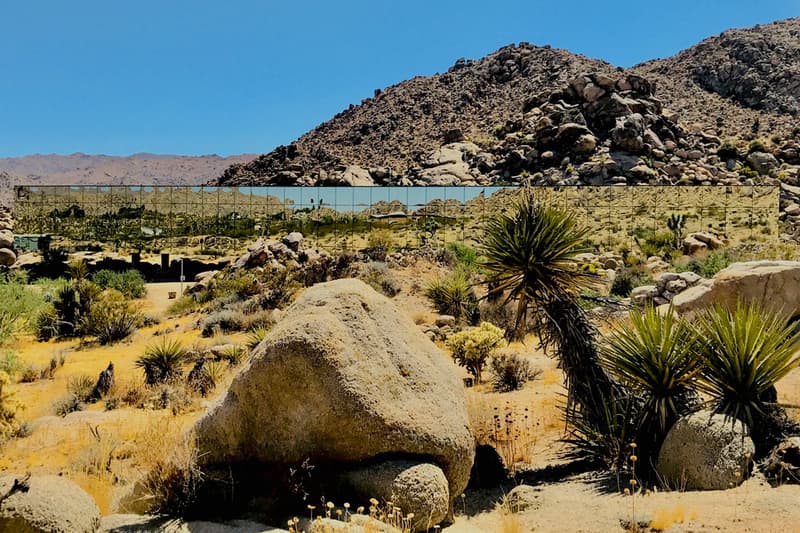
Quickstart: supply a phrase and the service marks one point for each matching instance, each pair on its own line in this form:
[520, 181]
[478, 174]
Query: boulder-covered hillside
[741, 84]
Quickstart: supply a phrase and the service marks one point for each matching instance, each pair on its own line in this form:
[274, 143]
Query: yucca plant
[656, 358]
[453, 295]
[255, 337]
[162, 361]
[530, 257]
[746, 351]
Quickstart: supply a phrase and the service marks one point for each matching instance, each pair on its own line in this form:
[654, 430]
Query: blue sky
[201, 77]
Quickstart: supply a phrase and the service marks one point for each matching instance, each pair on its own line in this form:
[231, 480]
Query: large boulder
[420, 489]
[344, 377]
[7, 257]
[773, 284]
[45, 504]
[705, 451]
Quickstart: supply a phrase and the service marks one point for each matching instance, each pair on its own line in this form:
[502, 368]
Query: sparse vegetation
[453, 295]
[511, 372]
[472, 348]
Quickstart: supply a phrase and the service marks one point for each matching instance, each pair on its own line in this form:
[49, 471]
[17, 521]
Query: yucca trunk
[566, 328]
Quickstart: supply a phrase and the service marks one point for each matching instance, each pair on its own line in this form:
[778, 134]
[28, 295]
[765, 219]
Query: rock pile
[668, 285]
[7, 255]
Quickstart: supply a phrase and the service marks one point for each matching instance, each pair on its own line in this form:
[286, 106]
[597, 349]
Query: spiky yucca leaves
[530, 256]
[655, 357]
[162, 361]
[453, 295]
[746, 352]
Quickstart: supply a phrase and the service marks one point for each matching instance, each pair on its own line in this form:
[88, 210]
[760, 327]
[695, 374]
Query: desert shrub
[10, 363]
[260, 319]
[47, 323]
[186, 304]
[379, 277]
[19, 303]
[130, 282]
[241, 283]
[111, 318]
[224, 321]
[380, 243]
[81, 387]
[68, 404]
[8, 409]
[658, 243]
[162, 361]
[471, 348]
[29, 374]
[511, 372]
[8, 324]
[453, 295]
[711, 263]
[464, 255]
[628, 279]
[757, 145]
[728, 150]
[746, 351]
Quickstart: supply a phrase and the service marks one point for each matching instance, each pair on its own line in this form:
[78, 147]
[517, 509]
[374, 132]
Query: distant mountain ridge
[145, 168]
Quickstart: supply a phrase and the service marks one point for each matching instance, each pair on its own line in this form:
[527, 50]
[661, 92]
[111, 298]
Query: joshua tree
[677, 225]
[530, 256]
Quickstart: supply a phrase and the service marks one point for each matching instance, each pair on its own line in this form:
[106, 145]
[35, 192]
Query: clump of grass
[233, 354]
[173, 483]
[453, 295]
[8, 409]
[256, 337]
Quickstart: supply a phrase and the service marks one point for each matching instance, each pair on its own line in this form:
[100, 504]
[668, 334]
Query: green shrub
[453, 295]
[465, 256]
[163, 361]
[472, 347]
[241, 283]
[130, 283]
[511, 372]
[659, 243]
[111, 318]
[628, 279]
[8, 409]
[380, 243]
[233, 354]
[728, 150]
[708, 265]
[10, 363]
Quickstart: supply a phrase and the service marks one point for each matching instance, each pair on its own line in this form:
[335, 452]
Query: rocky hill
[83, 169]
[758, 68]
[739, 84]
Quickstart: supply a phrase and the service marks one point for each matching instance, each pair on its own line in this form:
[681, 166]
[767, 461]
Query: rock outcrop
[343, 378]
[46, 504]
[773, 284]
[704, 451]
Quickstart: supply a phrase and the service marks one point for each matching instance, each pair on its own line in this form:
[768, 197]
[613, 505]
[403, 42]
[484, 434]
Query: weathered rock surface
[46, 504]
[773, 284]
[704, 451]
[344, 377]
[421, 489]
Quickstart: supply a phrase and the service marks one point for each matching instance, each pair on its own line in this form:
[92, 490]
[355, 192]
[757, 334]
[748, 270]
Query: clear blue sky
[226, 77]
